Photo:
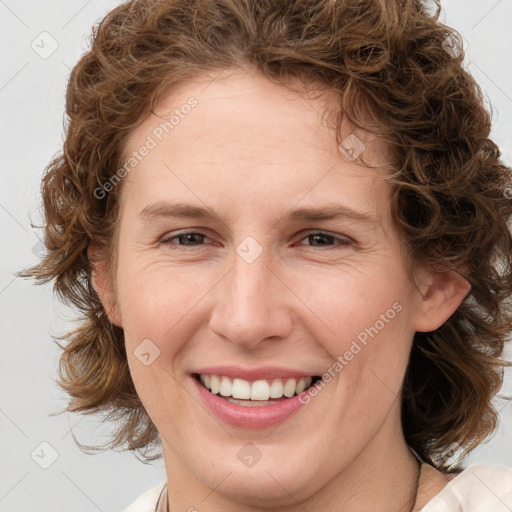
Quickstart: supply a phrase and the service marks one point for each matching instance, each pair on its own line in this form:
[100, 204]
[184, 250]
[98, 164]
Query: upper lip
[252, 374]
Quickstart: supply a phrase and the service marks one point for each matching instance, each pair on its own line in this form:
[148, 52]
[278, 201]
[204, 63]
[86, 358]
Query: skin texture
[253, 151]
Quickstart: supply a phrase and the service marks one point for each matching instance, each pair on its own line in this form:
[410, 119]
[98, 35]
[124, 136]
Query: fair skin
[253, 152]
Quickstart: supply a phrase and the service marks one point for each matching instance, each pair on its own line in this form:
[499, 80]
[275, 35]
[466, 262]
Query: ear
[441, 294]
[99, 281]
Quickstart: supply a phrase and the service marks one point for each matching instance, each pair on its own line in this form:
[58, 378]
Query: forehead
[243, 103]
[246, 137]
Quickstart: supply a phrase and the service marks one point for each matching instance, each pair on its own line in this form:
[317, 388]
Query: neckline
[161, 503]
[447, 490]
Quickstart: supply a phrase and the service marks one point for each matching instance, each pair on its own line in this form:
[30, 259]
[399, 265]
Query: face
[253, 254]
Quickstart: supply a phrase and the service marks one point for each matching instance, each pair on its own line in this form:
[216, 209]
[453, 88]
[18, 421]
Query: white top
[479, 488]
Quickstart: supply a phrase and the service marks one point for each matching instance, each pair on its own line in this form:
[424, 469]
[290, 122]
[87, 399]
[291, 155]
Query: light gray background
[32, 105]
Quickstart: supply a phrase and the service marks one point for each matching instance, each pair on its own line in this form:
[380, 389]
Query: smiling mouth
[255, 393]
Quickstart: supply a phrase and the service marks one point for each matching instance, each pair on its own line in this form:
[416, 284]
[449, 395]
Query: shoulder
[479, 487]
[147, 502]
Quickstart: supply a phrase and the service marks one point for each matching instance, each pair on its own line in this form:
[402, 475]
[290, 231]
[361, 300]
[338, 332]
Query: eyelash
[167, 240]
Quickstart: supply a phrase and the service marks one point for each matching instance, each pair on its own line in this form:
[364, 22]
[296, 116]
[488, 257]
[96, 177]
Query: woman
[286, 229]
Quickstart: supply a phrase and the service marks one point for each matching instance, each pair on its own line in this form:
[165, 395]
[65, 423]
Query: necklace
[414, 497]
[163, 504]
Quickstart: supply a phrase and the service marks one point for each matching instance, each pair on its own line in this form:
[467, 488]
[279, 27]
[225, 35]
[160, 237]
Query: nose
[251, 304]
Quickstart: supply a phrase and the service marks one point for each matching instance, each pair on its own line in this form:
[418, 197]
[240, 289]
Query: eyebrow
[164, 209]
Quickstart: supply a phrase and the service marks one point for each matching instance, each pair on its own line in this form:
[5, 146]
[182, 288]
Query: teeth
[214, 382]
[240, 389]
[225, 387]
[290, 387]
[276, 389]
[259, 390]
[301, 386]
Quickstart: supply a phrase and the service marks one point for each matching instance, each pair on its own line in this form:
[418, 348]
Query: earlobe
[441, 295]
[100, 283]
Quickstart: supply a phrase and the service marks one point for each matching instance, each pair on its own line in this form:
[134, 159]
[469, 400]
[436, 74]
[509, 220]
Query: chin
[276, 480]
[261, 490]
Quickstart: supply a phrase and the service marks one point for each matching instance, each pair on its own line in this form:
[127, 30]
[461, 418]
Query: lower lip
[248, 417]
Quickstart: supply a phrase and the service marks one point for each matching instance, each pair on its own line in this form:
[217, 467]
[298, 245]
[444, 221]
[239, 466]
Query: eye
[191, 239]
[321, 239]
[184, 239]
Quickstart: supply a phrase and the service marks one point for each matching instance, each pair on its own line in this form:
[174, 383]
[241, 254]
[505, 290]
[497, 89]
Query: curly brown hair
[451, 200]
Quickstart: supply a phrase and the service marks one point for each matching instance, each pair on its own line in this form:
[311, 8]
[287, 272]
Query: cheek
[362, 320]
[154, 298]
[348, 303]
[165, 305]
